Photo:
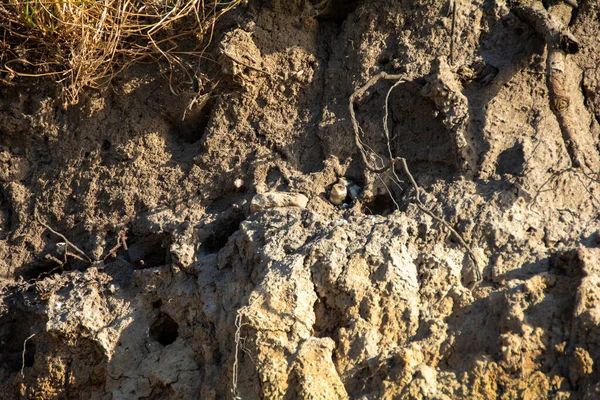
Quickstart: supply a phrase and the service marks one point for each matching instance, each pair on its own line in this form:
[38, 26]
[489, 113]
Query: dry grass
[86, 43]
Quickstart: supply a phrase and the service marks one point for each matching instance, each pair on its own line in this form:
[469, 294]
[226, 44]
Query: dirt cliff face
[196, 292]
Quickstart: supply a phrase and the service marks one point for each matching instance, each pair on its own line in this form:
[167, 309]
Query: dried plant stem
[23, 355]
[67, 242]
[85, 44]
[121, 242]
[453, 32]
[243, 312]
[239, 323]
[237, 60]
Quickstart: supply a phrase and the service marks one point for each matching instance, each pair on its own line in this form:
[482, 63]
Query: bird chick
[338, 193]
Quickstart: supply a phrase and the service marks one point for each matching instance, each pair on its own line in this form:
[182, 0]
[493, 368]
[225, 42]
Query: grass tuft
[85, 43]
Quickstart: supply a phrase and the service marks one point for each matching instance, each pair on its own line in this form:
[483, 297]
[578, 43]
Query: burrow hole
[29, 356]
[149, 251]
[221, 231]
[381, 204]
[164, 329]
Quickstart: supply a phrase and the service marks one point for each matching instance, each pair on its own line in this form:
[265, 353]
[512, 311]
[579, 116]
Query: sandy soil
[197, 291]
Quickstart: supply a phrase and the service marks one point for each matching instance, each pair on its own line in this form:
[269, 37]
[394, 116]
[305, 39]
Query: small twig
[239, 323]
[453, 32]
[246, 350]
[49, 273]
[121, 242]
[23, 355]
[78, 257]
[112, 252]
[553, 175]
[389, 192]
[237, 60]
[87, 259]
[123, 237]
[59, 267]
[56, 260]
[587, 189]
[386, 129]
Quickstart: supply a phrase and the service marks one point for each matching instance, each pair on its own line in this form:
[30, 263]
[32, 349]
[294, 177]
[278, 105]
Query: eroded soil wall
[193, 294]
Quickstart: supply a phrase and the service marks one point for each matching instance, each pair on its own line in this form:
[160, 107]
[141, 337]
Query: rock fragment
[268, 200]
[581, 367]
[317, 376]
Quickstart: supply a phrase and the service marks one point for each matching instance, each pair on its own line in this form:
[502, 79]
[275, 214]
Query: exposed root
[393, 160]
[235, 372]
[445, 90]
[453, 30]
[442, 221]
[243, 313]
[560, 42]
[357, 140]
[23, 355]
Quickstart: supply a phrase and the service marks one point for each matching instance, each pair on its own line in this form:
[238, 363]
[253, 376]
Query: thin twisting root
[67, 242]
[391, 164]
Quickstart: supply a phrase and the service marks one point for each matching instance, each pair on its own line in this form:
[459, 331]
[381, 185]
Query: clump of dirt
[196, 291]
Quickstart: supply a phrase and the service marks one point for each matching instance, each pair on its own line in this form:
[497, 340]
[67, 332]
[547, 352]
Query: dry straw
[86, 43]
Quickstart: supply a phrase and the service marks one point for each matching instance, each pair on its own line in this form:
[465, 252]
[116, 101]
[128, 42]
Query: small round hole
[164, 329]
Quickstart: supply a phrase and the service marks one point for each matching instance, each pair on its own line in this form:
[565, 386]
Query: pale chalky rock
[268, 200]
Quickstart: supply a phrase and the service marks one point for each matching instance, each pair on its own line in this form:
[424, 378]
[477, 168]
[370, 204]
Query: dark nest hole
[511, 161]
[50, 260]
[328, 320]
[148, 251]
[218, 232]
[14, 330]
[336, 10]
[47, 261]
[192, 129]
[5, 216]
[164, 329]
[566, 263]
[29, 356]
[106, 145]
[41, 269]
[275, 179]
[381, 204]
